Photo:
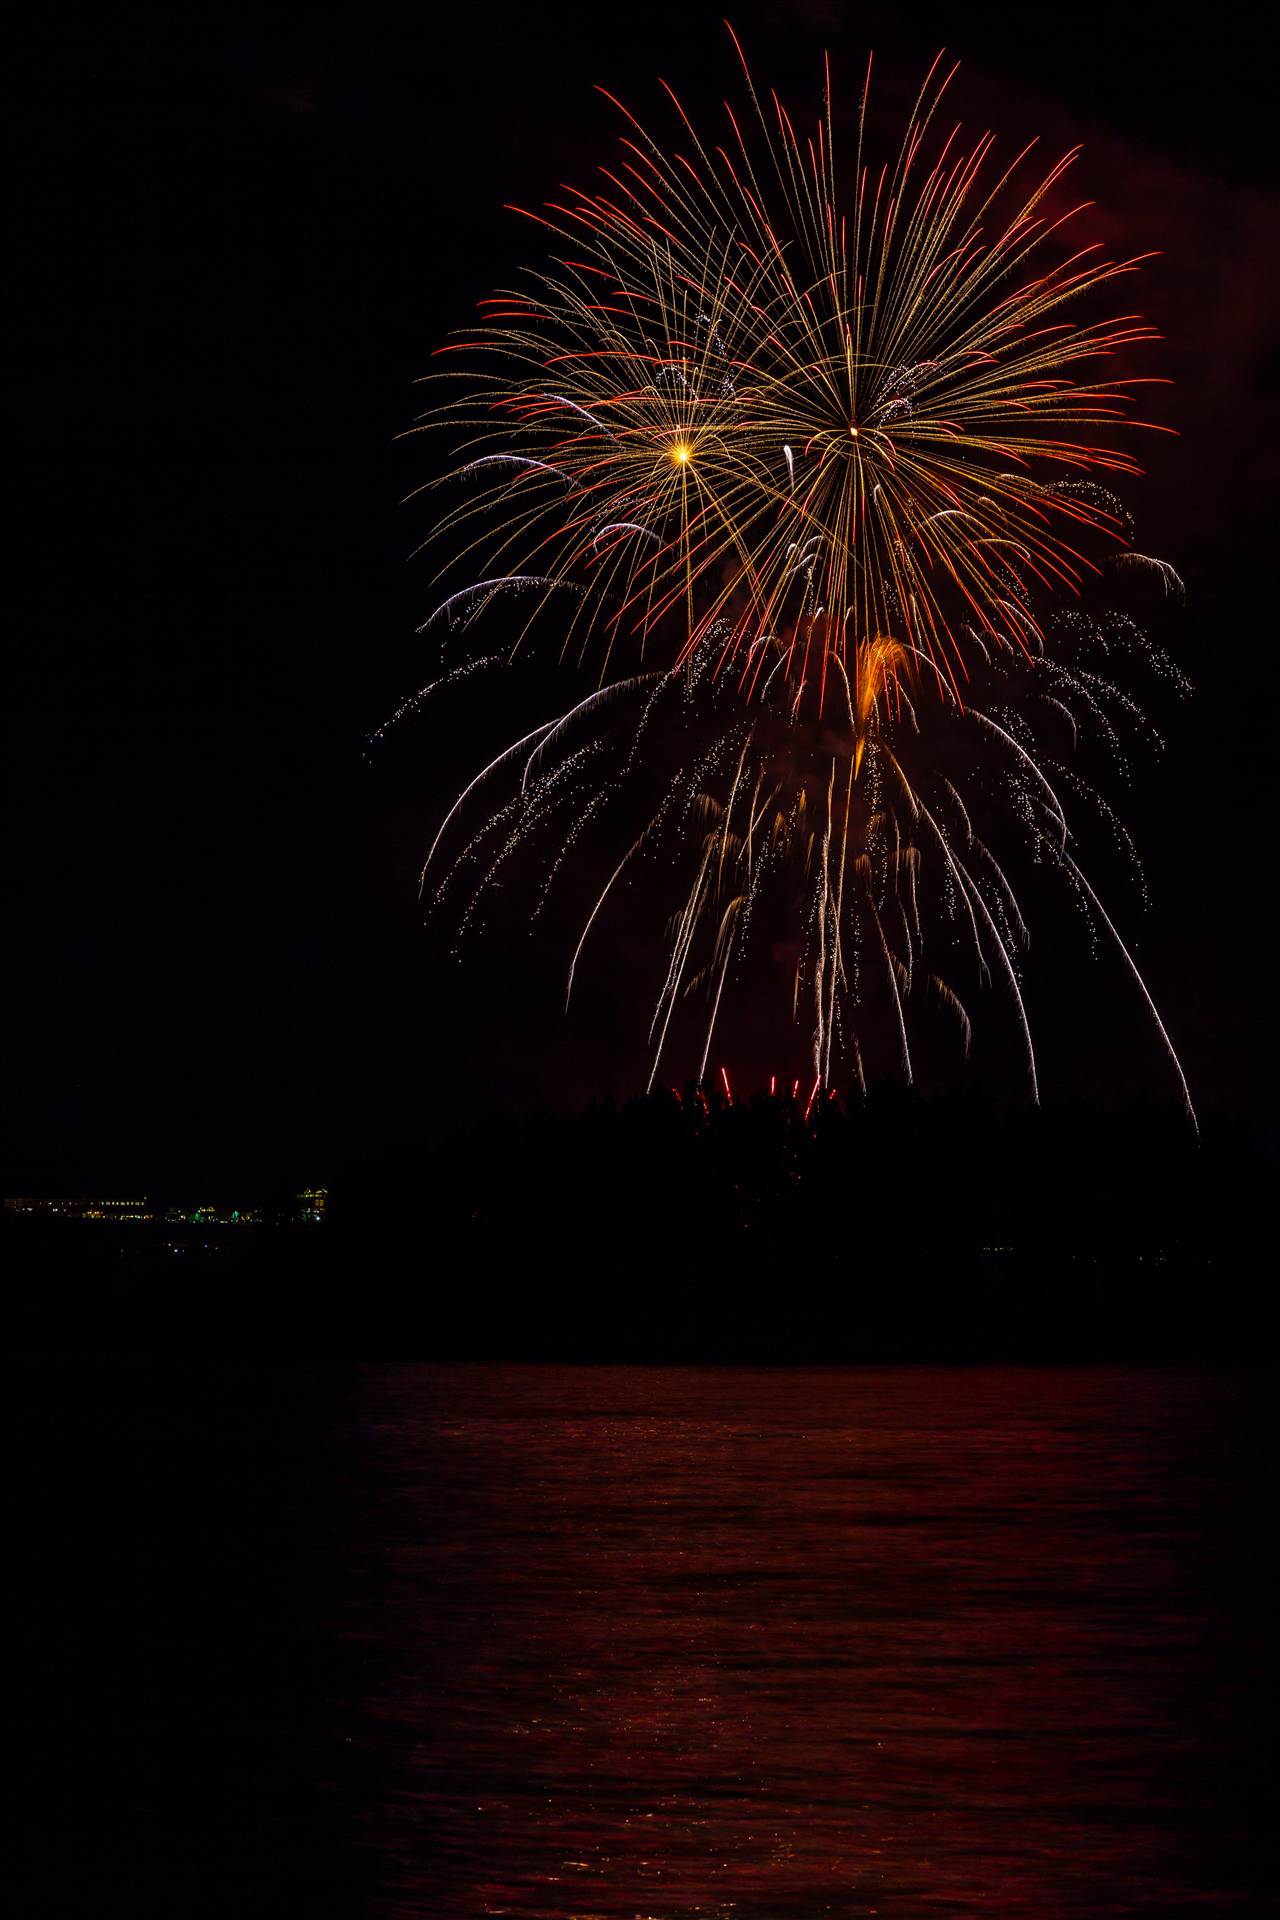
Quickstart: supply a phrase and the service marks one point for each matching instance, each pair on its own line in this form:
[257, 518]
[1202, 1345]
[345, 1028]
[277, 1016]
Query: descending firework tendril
[801, 476]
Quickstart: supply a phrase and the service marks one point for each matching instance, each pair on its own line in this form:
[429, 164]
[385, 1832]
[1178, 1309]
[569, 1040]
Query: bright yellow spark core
[682, 453]
[853, 433]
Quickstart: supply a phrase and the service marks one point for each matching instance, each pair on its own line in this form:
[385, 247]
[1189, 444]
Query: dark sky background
[236, 248]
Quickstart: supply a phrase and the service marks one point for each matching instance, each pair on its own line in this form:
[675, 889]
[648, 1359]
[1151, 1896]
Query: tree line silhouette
[694, 1227]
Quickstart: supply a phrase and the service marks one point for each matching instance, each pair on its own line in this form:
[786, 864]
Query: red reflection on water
[673, 1642]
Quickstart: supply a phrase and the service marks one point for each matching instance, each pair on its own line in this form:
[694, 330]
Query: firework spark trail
[826, 464]
[508, 753]
[416, 701]
[592, 701]
[507, 582]
[1143, 990]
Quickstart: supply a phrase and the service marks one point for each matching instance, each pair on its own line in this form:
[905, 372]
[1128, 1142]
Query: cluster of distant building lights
[308, 1209]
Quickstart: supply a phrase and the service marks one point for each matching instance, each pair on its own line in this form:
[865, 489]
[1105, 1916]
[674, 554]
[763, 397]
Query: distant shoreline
[343, 1293]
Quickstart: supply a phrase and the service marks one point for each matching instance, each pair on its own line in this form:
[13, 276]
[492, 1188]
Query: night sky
[237, 247]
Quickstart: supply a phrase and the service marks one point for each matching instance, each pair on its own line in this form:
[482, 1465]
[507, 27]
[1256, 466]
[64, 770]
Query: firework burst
[811, 481]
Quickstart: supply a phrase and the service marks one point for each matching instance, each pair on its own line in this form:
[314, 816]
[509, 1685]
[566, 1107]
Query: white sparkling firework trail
[416, 700]
[499, 760]
[516, 460]
[600, 698]
[1142, 988]
[625, 526]
[501, 583]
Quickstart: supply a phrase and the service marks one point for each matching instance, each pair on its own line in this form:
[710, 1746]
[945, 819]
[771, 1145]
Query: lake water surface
[425, 1643]
[676, 1642]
